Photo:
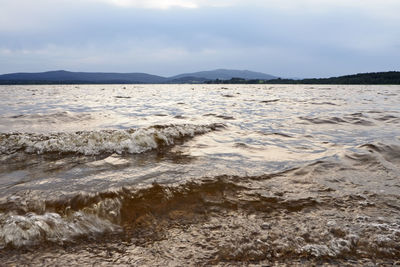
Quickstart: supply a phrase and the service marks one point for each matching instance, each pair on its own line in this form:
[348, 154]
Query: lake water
[199, 174]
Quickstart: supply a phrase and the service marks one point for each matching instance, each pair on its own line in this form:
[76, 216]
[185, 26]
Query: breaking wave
[33, 222]
[245, 223]
[34, 229]
[131, 141]
[26, 222]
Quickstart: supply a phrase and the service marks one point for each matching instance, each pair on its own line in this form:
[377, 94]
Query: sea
[199, 175]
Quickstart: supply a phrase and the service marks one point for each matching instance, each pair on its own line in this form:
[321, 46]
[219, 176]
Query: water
[199, 174]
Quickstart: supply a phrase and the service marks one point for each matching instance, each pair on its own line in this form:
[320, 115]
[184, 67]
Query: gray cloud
[277, 37]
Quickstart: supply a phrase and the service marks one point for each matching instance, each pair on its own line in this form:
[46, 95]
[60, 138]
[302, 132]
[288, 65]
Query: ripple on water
[199, 175]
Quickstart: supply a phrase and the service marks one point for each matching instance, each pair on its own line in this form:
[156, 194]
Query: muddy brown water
[184, 175]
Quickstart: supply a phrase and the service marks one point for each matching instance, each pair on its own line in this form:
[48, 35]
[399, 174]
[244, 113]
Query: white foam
[31, 229]
[334, 248]
[104, 141]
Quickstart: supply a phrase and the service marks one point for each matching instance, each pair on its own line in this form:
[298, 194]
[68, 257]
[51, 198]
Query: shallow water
[200, 174]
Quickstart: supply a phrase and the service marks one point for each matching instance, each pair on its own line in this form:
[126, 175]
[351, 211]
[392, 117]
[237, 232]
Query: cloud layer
[302, 38]
[165, 4]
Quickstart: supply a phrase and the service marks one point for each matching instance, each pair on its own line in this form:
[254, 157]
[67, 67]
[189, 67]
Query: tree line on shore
[391, 77]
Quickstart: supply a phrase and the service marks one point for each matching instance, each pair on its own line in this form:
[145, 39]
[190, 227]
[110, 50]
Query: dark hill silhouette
[66, 77]
[390, 77]
[215, 76]
[225, 74]
[62, 76]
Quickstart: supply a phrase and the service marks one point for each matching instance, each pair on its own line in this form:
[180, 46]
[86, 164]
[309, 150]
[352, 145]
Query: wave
[34, 229]
[131, 141]
[376, 154]
[29, 222]
[245, 223]
[225, 117]
[58, 117]
[355, 119]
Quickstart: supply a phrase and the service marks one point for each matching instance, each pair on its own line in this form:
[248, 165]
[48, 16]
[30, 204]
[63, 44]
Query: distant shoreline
[376, 78]
[51, 78]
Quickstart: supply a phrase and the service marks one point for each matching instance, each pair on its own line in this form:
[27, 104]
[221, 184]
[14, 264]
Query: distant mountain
[62, 76]
[225, 74]
[67, 77]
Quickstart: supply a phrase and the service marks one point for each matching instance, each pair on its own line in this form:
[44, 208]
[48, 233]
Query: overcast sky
[287, 38]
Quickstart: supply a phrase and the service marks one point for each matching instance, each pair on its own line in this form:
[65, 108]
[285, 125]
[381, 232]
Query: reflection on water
[183, 174]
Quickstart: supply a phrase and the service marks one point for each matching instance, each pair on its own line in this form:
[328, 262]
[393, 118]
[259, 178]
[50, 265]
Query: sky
[286, 38]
